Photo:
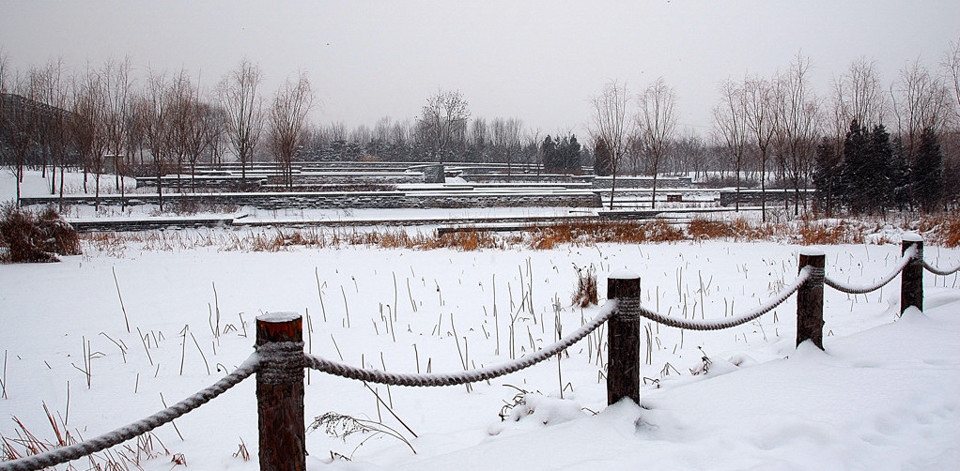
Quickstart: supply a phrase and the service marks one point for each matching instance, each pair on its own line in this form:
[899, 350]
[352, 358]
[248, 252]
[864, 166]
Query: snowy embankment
[35, 185]
[104, 339]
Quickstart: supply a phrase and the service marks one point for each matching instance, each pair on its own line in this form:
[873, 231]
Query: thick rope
[120, 435]
[452, 379]
[280, 362]
[937, 271]
[719, 324]
[856, 289]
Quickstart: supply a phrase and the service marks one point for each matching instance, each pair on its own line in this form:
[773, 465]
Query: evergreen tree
[855, 169]
[867, 182]
[602, 159]
[571, 154]
[551, 158]
[826, 176]
[928, 172]
[879, 184]
[900, 176]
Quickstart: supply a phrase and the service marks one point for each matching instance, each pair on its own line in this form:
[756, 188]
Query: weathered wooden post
[280, 392]
[911, 280]
[810, 299]
[623, 338]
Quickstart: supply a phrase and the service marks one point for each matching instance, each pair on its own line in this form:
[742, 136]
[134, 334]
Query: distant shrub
[30, 237]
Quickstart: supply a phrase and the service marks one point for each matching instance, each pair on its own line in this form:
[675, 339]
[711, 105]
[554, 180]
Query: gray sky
[537, 61]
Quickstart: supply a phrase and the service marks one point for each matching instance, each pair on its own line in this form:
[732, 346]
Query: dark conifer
[928, 172]
[602, 159]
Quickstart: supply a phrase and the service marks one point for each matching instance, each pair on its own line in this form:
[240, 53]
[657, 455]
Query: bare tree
[288, 120]
[920, 101]
[731, 128]
[239, 96]
[858, 95]
[4, 71]
[797, 129]
[117, 89]
[154, 110]
[657, 123]
[217, 133]
[610, 124]
[506, 140]
[22, 117]
[761, 121]
[951, 63]
[443, 120]
[90, 128]
[54, 136]
[203, 122]
[479, 139]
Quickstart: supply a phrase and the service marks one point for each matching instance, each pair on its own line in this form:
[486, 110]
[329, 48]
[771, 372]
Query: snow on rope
[908, 255]
[608, 310]
[719, 324]
[937, 271]
[122, 434]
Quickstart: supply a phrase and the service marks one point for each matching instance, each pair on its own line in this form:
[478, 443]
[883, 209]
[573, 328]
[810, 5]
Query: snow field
[883, 396]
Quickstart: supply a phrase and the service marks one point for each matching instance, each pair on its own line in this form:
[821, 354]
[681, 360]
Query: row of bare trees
[632, 137]
[103, 119]
[771, 127]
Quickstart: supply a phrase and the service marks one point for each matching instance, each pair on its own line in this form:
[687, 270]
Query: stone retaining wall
[349, 200]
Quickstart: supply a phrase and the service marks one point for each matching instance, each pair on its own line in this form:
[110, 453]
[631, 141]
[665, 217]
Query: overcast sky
[537, 61]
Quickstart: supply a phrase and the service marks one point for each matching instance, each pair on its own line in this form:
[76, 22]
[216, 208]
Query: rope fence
[122, 434]
[279, 360]
[464, 377]
[855, 289]
[937, 271]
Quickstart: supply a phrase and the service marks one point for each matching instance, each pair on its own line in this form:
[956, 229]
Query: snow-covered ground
[885, 393]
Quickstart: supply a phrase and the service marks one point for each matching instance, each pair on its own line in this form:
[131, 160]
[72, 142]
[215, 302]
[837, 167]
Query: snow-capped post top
[812, 251]
[623, 274]
[278, 317]
[911, 237]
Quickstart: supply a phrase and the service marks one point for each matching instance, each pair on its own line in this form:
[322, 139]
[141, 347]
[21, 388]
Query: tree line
[767, 131]
[776, 130]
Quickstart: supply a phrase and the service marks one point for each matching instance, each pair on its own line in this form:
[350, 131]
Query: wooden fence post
[280, 392]
[911, 280]
[810, 299]
[623, 338]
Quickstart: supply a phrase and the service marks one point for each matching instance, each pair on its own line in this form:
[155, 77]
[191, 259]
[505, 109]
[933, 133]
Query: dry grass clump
[587, 232]
[586, 292]
[950, 234]
[943, 229]
[466, 240]
[700, 229]
[35, 237]
[823, 234]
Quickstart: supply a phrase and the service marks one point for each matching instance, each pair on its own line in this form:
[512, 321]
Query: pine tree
[855, 169]
[900, 176]
[551, 159]
[826, 176]
[602, 159]
[570, 154]
[928, 172]
[879, 182]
